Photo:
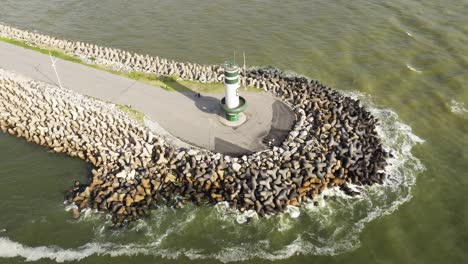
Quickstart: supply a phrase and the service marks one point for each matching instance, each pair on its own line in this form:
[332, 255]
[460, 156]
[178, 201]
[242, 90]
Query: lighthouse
[232, 104]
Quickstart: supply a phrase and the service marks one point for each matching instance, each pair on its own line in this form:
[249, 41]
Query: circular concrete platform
[197, 121]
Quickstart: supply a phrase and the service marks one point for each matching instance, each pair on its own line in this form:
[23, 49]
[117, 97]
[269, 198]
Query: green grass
[132, 113]
[54, 53]
[173, 83]
[168, 83]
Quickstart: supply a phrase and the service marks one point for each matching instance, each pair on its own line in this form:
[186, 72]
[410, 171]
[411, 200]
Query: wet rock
[75, 213]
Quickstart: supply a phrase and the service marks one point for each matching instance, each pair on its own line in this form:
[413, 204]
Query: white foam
[10, 249]
[413, 68]
[458, 107]
[284, 223]
[245, 216]
[225, 213]
[293, 211]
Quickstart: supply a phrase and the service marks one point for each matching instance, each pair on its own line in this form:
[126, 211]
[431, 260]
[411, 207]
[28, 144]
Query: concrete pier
[184, 115]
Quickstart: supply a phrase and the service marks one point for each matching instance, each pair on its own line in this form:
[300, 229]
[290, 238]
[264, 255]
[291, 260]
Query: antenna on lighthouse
[245, 74]
[55, 69]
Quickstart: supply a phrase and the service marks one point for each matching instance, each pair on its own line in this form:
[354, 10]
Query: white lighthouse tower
[231, 84]
[232, 104]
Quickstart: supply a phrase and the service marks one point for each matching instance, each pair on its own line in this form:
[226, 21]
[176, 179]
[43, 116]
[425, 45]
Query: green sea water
[406, 60]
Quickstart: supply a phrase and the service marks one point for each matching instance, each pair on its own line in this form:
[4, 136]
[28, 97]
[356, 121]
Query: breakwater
[333, 143]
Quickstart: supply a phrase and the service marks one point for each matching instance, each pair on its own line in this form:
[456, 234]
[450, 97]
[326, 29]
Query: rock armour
[333, 143]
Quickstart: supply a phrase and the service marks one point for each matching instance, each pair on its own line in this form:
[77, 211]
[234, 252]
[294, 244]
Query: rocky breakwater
[334, 143]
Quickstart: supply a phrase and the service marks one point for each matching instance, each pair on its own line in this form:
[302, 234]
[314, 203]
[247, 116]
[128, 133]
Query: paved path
[194, 120]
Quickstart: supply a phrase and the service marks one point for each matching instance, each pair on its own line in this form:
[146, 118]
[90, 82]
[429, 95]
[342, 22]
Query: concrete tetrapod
[333, 143]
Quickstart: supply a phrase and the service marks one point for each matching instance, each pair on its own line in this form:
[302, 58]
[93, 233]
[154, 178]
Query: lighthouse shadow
[206, 104]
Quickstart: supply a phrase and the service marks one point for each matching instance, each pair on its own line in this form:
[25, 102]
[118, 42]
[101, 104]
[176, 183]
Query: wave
[457, 107]
[413, 68]
[329, 225]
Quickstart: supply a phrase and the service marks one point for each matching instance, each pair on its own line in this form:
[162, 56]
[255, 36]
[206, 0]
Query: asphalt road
[185, 116]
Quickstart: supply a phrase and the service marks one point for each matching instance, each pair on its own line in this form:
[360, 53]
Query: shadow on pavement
[206, 104]
[227, 148]
[282, 122]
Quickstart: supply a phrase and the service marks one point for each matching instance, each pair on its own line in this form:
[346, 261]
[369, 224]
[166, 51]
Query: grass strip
[168, 83]
[132, 113]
